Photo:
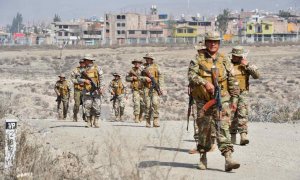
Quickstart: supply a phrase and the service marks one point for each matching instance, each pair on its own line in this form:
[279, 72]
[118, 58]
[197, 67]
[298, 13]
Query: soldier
[78, 87]
[63, 91]
[153, 82]
[200, 48]
[243, 70]
[201, 73]
[93, 88]
[135, 77]
[118, 91]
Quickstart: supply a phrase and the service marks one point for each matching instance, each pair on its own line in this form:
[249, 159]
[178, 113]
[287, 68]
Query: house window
[98, 32]
[131, 32]
[107, 30]
[59, 33]
[190, 31]
[60, 26]
[267, 27]
[65, 26]
[118, 24]
[144, 32]
[123, 17]
[179, 31]
[118, 17]
[85, 32]
[66, 34]
[107, 23]
[250, 27]
[123, 24]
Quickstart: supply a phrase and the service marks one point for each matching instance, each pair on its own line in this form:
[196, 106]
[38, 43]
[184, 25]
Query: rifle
[190, 106]
[217, 97]
[114, 97]
[93, 84]
[154, 84]
[58, 98]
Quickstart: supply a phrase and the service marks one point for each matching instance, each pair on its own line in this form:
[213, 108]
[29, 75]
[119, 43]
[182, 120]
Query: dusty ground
[28, 78]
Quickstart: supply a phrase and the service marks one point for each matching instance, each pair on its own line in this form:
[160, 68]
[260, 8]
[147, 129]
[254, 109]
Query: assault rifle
[190, 106]
[154, 84]
[114, 97]
[95, 87]
[217, 97]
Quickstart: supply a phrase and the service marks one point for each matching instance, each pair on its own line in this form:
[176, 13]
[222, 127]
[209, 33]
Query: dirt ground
[28, 78]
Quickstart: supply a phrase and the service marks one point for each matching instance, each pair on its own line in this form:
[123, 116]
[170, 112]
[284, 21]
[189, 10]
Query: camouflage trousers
[119, 105]
[91, 104]
[77, 101]
[209, 123]
[151, 104]
[62, 108]
[138, 102]
[240, 117]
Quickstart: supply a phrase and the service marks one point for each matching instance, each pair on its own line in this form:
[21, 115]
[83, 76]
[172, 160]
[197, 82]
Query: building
[67, 32]
[92, 33]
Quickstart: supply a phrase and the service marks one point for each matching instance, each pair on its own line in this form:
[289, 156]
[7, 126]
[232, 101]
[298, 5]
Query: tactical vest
[153, 69]
[92, 73]
[205, 66]
[78, 86]
[136, 84]
[241, 76]
[118, 87]
[62, 87]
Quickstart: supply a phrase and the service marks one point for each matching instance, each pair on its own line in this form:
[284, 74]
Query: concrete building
[92, 33]
[67, 32]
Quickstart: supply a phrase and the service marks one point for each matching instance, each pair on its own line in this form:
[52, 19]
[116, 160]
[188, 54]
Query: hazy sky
[38, 10]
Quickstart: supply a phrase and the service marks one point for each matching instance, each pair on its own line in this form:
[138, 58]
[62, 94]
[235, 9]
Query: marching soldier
[212, 74]
[93, 88]
[118, 91]
[135, 78]
[78, 87]
[152, 91]
[243, 70]
[63, 91]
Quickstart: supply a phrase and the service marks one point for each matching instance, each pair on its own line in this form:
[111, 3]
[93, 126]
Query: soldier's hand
[87, 81]
[134, 78]
[244, 62]
[209, 88]
[233, 107]
[148, 79]
[112, 93]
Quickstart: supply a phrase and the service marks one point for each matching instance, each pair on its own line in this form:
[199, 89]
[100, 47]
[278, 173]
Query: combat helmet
[238, 51]
[213, 36]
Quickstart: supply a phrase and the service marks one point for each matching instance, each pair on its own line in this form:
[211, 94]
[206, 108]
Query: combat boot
[89, 123]
[96, 122]
[148, 123]
[136, 119]
[229, 162]
[121, 119]
[141, 117]
[92, 121]
[213, 145]
[117, 118]
[233, 138]
[155, 122]
[75, 118]
[203, 161]
[244, 139]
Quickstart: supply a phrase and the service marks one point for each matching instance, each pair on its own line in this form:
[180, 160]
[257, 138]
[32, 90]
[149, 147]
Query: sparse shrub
[296, 115]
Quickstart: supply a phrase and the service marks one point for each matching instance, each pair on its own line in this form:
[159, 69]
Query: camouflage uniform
[199, 74]
[137, 92]
[152, 101]
[78, 87]
[63, 91]
[118, 90]
[242, 74]
[92, 99]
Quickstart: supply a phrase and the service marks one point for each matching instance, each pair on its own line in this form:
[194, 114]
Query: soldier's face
[82, 64]
[88, 62]
[137, 65]
[236, 59]
[117, 77]
[212, 46]
[149, 60]
[62, 78]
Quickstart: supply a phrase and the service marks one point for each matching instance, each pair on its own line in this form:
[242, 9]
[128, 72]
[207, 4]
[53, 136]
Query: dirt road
[273, 152]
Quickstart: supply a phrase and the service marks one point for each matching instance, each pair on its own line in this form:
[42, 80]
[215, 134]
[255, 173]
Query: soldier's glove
[244, 62]
[209, 88]
[148, 79]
